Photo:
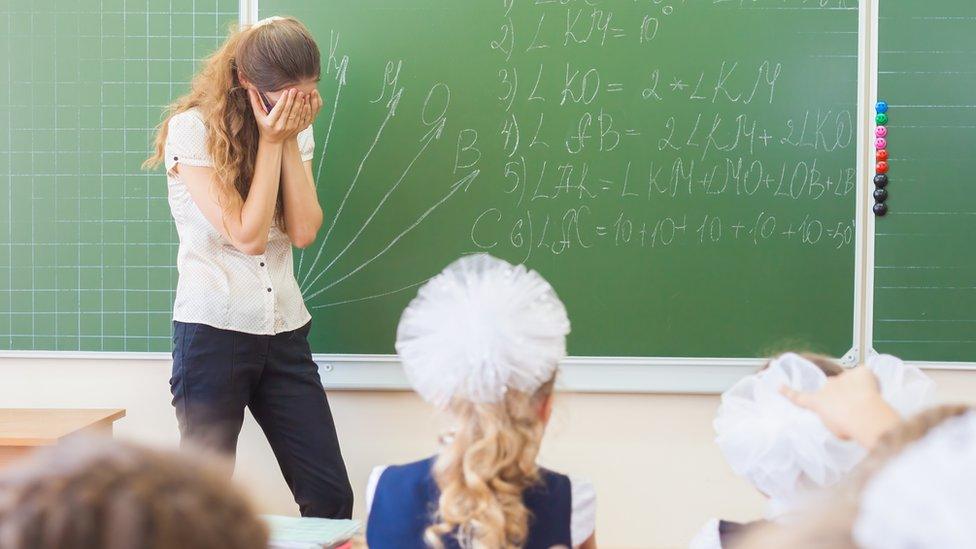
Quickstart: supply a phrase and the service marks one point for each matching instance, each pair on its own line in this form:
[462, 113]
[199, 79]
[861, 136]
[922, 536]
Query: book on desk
[309, 533]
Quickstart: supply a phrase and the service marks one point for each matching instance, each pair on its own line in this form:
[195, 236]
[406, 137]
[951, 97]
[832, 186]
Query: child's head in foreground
[104, 494]
[785, 451]
[483, 341]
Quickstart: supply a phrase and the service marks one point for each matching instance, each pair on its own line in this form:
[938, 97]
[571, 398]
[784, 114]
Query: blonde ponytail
[484, 470]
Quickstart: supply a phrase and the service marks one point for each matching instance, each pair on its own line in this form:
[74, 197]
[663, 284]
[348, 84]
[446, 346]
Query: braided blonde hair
[103, 494]
[486, 467]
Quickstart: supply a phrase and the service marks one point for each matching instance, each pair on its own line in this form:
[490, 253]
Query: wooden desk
[23, 430]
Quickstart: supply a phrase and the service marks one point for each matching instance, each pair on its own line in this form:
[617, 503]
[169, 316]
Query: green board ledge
[577, 374]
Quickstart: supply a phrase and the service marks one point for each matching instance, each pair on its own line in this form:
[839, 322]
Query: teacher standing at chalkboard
[237, 150]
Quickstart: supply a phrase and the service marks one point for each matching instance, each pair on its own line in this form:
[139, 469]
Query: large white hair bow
[785, 450]
[926, 496]
[780, 448]
[479, 328]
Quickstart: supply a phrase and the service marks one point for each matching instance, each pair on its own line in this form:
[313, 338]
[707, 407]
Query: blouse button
[269, 289]
[176, 158]
[262, 263]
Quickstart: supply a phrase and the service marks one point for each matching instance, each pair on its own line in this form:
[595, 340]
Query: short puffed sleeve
[186, 141]
[583, 520]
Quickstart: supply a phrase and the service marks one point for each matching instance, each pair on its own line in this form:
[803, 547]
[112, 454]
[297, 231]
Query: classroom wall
[657, 472]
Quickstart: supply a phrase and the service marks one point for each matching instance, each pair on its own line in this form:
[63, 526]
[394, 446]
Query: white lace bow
[479, 328]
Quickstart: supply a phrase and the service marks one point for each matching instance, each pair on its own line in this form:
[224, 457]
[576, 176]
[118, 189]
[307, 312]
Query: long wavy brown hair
[105, 494]
[271, 55]
[483, 471]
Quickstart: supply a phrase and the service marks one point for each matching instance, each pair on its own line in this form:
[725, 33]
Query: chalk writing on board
[575, 155]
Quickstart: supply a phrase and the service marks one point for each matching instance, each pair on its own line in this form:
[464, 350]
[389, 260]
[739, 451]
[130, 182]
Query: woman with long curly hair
[237, 150]
[482, 341]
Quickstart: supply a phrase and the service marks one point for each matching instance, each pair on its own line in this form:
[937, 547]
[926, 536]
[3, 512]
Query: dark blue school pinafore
[730, 532]
[406, 497]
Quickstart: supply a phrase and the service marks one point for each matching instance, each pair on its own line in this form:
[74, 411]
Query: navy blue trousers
[217, 373]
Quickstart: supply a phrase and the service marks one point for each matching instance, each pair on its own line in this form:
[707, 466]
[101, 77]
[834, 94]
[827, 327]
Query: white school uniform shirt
[219, 285]
[582, 522]
[708, 537]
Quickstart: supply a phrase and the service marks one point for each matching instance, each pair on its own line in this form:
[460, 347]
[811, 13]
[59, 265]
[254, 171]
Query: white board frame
[247, 12]
[705, 375]
[638, 375]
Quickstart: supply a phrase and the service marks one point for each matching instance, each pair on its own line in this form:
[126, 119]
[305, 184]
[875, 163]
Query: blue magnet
[881, 107]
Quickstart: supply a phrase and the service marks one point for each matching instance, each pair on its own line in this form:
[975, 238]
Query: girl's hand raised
[850, 405]
[285, 119]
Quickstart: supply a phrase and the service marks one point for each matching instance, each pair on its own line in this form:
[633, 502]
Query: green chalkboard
[682, 172]
[925, 268]
[87, 246]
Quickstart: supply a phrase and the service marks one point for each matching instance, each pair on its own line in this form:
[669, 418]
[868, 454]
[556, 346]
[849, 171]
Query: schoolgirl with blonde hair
[482, 341]
[785, 451]
[916, 489]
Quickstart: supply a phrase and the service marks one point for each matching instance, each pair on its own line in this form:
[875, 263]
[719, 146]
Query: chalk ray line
[390, 113]
[374, 296]
[464, 182]
[341, 76]
[429, 138]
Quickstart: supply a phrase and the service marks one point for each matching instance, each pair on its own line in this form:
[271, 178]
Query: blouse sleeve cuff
[306, 144]
[371, 484]
[583, 523]
[186, 141]
[708, 537]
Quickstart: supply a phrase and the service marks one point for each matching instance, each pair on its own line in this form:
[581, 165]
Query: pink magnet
[881, 131]
[880, 143]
